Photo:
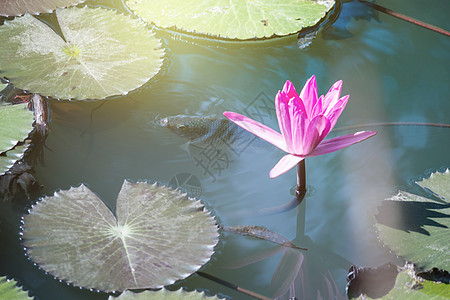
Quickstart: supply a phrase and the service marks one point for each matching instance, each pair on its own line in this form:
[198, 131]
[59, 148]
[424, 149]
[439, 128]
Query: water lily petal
[299, 128]
[289, 89]
[283, 116]
[258, 129]
[286, 163]
[340, 142]
[291, 94]
[317, 130]
[332, 97]
[334, 114]
[324, 128]
[309, 95]
[318, 108]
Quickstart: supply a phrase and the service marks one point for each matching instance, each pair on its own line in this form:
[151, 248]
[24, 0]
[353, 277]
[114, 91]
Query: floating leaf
[409, 287]
[235, 19]
[16, 122]
[104, 54]
[34, 7]
[159, 236]
[163, 294]
[10, 291]
[10, 157]
[417, 228]
[438, 183]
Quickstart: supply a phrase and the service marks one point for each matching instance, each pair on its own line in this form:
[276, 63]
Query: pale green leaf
[417, 228]
[17, 8]
[16, 122]
[438, 183]
[159, 236]
[409, 287]
[8, 159]
[233, 19]
[104, 54]
[10, 291]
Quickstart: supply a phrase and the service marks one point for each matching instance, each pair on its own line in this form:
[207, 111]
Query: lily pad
[409, 287]
[8, 159]
[233, 19]
[10, 291]
[34, 7]
[163, 294]
[16, 122]
[438, 184]
[158, 236]
[417, 228]
[102, 54]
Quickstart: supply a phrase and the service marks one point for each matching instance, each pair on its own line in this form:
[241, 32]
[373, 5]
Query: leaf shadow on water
[411, 215]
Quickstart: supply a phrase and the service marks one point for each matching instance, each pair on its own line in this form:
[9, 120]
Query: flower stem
[301, 180]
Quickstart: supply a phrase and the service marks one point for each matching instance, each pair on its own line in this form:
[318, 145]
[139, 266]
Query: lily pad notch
[159, 235]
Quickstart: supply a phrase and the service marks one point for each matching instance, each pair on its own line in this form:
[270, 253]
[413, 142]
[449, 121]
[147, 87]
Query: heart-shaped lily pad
[102, 54]
[417, 228]
[17, 8]
[158, 236]
[233, 19]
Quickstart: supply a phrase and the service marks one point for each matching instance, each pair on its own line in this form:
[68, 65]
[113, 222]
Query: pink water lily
[304, 120]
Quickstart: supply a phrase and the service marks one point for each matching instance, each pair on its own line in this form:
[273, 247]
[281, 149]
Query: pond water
[394, 72]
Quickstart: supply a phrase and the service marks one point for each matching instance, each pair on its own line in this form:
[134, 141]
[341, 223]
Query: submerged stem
[301, 180]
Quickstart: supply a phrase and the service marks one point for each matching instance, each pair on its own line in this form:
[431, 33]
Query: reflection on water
[393, 72]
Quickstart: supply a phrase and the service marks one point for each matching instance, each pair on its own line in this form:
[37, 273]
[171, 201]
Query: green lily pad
[16, 122]
[8, 159]
[417, 228]
[158, 236]
[34, 7]
[233, 19]
[409, 287]
[163, 294]
[103, 54]
[438, 184]
[10, 291]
